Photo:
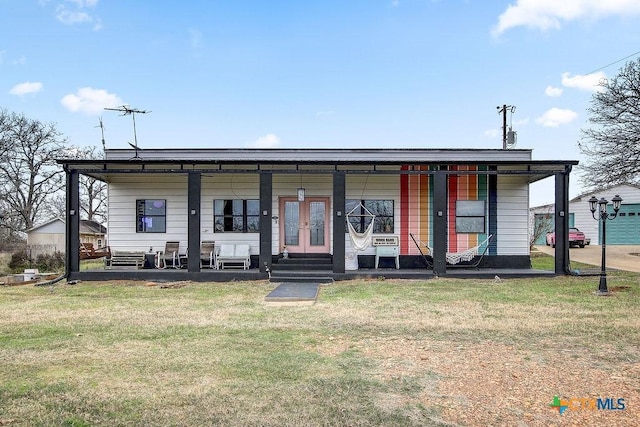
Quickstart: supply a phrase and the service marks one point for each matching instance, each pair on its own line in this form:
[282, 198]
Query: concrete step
[303, 263]
[306, 276]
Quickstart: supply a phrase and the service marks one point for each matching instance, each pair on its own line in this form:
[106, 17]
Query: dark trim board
[417, 262]
[213, 276]
[168, 275]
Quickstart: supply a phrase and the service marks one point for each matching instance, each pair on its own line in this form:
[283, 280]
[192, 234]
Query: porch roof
[380, 161]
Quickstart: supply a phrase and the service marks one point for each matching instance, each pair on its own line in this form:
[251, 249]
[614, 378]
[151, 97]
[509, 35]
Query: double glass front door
[304, 225]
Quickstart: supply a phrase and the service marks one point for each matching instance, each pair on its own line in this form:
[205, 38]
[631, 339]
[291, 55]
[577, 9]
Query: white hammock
[458, 257]
[360, 241]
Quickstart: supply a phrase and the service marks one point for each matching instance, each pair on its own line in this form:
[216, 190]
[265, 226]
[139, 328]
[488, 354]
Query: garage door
[625, 229]
[543, 223]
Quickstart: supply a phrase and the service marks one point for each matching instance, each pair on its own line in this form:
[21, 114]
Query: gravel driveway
[619, 257]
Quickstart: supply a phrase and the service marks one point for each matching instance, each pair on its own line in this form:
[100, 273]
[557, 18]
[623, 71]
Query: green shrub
[44, 262]
[19, 261]
[50, 262]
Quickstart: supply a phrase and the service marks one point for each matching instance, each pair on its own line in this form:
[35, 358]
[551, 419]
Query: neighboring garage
[623, 230]
[543, 223]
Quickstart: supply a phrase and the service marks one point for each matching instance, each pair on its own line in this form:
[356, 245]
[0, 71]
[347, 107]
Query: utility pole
[504, 110]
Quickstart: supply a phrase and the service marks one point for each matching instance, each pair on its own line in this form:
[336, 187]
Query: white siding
[124, 190]
[55, 226]
[45, 243]
[513, 216]
[228, 186]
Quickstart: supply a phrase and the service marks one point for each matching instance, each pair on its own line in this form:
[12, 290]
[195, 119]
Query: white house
[450, 199]
[50, 236]
[623, 230]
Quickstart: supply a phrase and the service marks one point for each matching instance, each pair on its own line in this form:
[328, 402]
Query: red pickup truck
[576, 238]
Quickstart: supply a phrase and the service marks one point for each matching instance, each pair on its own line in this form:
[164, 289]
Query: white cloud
[268, 141]
[26, 88]
[77, 13]
[497, 132]
[196, 42]
[68, 17]
[90, 101]
[550, 14]
[97, 26]
[20, 61]
[556, 117]
[492, 133]
[84, 3]
[553, 92]
[195, 37]
[589, 82]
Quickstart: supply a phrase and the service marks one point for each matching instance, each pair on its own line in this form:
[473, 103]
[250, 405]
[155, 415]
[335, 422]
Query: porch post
[194, 187]
[72, 223]
[562, 221]
[493, 211]
[339, 192]
[439, 214]
[266, 209]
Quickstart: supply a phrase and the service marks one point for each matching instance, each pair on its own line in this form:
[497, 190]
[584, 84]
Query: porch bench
[388, 251]
[124, 259]
[87, 251]
[387, 247]
[233, 255]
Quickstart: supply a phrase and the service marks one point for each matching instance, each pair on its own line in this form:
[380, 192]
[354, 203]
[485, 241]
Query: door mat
[294, 292]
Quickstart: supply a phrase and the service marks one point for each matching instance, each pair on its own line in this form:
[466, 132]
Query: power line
[615, 62]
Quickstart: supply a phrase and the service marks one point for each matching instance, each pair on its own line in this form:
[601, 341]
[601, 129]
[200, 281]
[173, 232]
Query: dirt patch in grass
[441, 352]
[496, 384]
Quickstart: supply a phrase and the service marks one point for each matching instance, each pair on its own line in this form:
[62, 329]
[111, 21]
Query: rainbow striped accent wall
[416, 198]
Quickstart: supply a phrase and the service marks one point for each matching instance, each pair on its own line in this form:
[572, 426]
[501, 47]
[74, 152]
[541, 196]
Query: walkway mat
[294, 292]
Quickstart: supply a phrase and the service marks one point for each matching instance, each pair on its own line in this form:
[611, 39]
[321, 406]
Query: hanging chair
[360, 241]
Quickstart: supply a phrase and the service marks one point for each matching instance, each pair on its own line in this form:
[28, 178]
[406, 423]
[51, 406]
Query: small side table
[149, 260]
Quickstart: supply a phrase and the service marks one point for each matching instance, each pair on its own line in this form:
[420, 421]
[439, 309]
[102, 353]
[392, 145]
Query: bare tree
[541, 223]
[29, 175]
[613, 143]
[93, 192]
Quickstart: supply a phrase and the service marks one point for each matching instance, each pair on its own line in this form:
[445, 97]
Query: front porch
[256, 274]
[247, 197]
[301, 269]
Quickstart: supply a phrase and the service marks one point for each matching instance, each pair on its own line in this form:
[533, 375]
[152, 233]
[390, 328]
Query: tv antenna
[508, 137]
[126, 110]
[101, 126]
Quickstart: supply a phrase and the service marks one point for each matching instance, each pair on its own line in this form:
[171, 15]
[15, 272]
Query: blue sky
[303, 74]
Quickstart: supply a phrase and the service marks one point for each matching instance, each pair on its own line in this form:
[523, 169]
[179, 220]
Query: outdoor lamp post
[603, 215]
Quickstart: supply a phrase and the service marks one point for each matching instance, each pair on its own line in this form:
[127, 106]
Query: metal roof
[384, 155]
[308, 161]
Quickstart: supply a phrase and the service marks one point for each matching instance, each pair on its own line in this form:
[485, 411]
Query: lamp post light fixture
[600, 206]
